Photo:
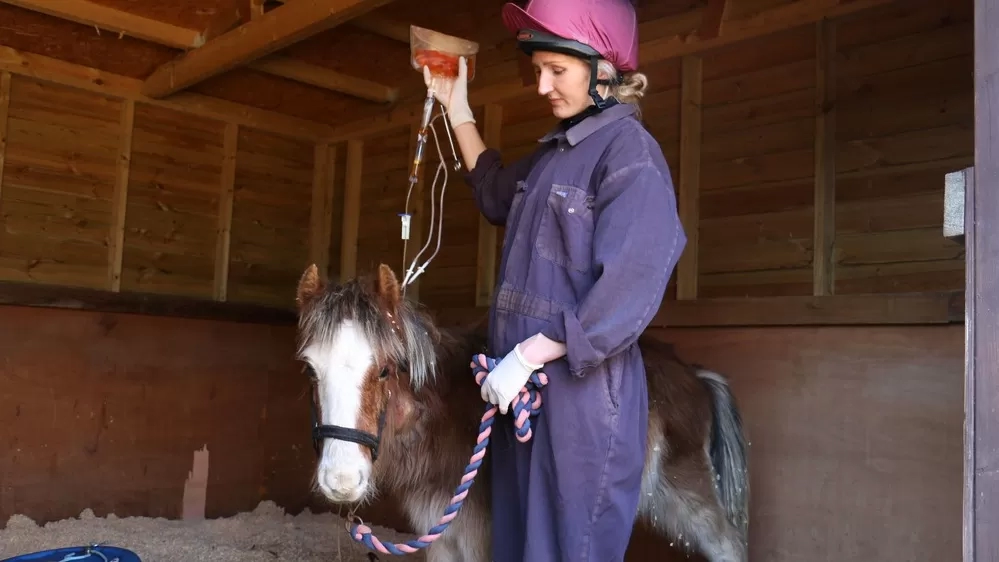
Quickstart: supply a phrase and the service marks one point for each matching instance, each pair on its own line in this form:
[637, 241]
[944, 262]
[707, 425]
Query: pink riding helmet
[610, 27]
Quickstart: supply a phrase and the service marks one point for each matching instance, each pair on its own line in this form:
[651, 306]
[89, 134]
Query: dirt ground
[265, 534]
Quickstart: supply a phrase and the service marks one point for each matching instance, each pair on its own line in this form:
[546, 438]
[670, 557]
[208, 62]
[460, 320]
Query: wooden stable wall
[809, 164]
[194, 196]
[855, 437]
[855, 433]
[106, 411]
[118, 195]
[898, 116]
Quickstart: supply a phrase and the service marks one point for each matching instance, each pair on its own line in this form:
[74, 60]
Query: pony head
[367, 351]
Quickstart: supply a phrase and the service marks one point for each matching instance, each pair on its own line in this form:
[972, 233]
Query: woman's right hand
[452, 93]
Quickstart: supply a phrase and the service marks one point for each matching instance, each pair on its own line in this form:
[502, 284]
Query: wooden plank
[320, 77]
[944, 307]
[764, 22]
[275, 30]
[75, 298]
[824, 237]
[687, 268]
[119, 201]
[485, 266]
[256, 9]
[390, 29]
[714, 17]
[969, 500]
[227, 16]
[106, 83]
[227, 193]
[4, 112]
[983, 283]
[119, 21]
[351, 209]
[321, 227]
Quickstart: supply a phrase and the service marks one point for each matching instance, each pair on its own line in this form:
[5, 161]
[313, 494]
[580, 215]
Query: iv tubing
[411, 275]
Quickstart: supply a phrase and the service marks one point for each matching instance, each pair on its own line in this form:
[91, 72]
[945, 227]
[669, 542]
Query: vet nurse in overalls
[592, 238]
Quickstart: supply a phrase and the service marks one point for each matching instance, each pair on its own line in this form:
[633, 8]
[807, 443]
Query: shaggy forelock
[319, 324]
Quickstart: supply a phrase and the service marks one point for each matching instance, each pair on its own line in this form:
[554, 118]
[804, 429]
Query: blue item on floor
[93, 553]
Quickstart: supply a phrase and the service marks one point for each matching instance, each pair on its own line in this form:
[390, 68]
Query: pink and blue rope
[527, 405]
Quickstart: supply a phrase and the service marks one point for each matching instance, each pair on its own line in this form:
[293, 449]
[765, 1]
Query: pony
[396, 410]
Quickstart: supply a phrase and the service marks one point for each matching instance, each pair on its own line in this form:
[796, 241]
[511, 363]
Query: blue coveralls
[592, 237]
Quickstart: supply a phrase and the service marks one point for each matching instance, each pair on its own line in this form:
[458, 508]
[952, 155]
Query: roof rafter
[271, 32]
[89, 13]
[101, 16]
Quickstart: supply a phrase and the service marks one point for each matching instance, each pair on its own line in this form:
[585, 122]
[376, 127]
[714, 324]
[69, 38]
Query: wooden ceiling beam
[765, 22]
[119, 21]
[320, 77]
[88, 13]
[56, 71]
[257, 38]
[380, 25]
[224, 20]
[385, 27]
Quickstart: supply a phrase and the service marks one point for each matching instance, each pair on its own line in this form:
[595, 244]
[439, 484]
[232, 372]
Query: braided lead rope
[527, 404]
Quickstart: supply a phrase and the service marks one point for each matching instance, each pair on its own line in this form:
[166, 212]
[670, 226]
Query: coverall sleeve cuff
[579, 353]
[487, 160]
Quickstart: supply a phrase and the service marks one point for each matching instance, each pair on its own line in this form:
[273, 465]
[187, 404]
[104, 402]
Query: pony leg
[690, 513]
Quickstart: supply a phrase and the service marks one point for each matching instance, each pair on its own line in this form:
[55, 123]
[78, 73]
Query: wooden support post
[351, 209]
[321, 224]
[981, 438]
[485, 266]
[5, 78]
[416, 201]
[690, 175]
[824, 233]
[119, 202]
[227, 192]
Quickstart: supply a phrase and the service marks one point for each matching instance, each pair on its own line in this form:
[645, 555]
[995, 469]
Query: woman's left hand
[505, 382]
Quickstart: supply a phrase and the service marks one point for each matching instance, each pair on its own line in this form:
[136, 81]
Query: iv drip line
[412, 275]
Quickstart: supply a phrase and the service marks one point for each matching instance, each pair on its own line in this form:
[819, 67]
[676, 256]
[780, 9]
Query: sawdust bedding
[267, 534]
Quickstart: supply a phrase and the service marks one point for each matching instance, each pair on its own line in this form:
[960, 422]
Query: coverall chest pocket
[565, 235]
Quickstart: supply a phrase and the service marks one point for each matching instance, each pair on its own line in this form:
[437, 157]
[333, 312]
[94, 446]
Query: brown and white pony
[399, 412]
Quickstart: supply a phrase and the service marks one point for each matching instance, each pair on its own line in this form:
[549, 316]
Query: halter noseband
[338, 432]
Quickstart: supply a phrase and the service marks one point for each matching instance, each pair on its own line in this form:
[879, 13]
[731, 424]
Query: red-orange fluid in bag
[443, 64]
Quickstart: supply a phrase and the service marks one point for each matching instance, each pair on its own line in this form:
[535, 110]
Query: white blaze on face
[344, 468]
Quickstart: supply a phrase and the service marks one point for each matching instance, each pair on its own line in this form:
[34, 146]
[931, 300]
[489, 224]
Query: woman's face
[565, 81]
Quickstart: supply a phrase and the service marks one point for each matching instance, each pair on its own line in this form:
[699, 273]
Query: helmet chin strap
[599, 103]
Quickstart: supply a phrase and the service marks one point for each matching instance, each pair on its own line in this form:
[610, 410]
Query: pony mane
[356, 301]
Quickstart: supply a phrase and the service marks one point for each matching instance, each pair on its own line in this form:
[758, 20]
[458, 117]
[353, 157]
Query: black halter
[340, 433]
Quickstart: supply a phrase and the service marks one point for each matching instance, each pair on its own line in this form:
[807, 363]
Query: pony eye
[311, 373]
[384, 374]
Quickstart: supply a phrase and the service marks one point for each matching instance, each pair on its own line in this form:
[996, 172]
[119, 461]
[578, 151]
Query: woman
[592, 237]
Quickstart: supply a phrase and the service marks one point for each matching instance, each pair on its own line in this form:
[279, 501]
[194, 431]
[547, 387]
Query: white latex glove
[505, 381]
[452, 93]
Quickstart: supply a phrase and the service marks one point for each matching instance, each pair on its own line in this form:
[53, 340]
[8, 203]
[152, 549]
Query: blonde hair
[630, 87]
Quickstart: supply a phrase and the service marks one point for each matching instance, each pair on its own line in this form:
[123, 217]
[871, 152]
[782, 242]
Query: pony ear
[309, 285]
[387, 288]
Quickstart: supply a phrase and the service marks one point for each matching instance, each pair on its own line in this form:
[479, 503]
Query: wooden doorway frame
[981, 436]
